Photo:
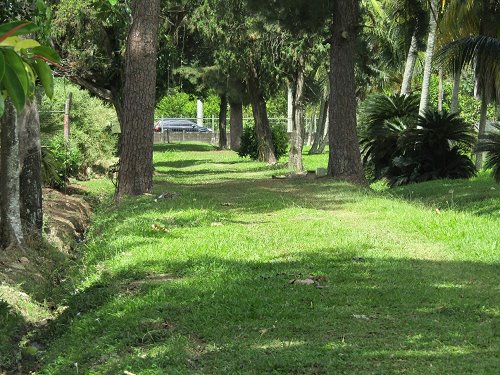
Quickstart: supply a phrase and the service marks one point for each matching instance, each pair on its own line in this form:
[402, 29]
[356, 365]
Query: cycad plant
[405, 148]
[436, 148]
[384, 119]
[490, 143]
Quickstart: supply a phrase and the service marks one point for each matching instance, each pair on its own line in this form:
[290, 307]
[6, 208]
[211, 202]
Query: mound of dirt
[66, 218]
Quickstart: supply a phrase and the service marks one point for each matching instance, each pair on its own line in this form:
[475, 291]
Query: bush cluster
[91, 123]
[405, 148]
[60, 161]
[249, 146]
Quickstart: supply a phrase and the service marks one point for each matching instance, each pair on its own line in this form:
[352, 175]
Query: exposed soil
[66, 218]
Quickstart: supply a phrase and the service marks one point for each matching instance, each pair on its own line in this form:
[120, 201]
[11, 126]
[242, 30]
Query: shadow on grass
[215, 315]
[12, 328]
[480, 196]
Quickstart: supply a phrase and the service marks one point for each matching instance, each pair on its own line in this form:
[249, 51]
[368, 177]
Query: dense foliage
[383, 119]
[60, 161]
[490, 143]
[403, 148]
[182, 105]
[249, 145]
[435, 149]
[91, 124]
[23, 61]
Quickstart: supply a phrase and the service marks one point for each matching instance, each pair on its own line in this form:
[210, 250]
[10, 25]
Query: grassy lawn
[198, 282]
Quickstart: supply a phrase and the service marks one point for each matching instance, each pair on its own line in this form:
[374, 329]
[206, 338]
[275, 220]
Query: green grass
[199, 284]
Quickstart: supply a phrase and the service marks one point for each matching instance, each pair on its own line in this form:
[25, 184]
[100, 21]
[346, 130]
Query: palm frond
[480, 52]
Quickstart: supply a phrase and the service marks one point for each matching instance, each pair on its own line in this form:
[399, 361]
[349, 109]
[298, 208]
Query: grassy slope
[206, 291]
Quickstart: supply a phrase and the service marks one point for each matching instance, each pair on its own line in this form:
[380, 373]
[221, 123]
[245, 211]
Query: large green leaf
[2, 65]
[13, 60]
[45, 74]
[25, 44]
[16, 28]
[46, 53]
[14, 88]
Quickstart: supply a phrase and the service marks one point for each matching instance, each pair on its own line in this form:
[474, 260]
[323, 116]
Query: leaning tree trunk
[31, 172]
[235, 124]
[320, 132]
[222, 122]
[411, 59]
[344, 156]
[323, 143]
[429, 53]
[297, 139]
[482, 129]
[11, 230]
[455, 92]
[259, 109]
[136, 152]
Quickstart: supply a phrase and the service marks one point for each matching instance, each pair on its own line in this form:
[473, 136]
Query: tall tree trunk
[429, 53]
[11, 230]
[411, 59]
[31, 171]
[222, 122]
[440, 91]
[297, 139]
[455, 92]
[344, 157]
[482, 129]
[136, 153]
[289, 123]
[259, 109]
[320, 132]
[236, 124]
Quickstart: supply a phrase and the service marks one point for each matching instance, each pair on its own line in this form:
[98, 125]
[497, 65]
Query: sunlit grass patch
[199, 282]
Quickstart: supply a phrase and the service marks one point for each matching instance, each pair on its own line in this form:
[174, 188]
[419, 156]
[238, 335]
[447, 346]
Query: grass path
[199, 283]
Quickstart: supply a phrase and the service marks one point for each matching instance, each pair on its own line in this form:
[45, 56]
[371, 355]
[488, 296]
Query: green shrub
[403, 148]
[91, 121]
[383, 119]
[249, 146]
[60, 161]
[435, 149]
[180, 104]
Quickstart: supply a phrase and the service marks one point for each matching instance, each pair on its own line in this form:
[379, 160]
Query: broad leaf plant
[22, 61]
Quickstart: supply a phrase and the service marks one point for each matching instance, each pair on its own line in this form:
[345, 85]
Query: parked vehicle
[179, 125]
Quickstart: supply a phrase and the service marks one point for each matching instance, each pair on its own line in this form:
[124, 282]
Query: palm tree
[477, 46]
[429, 53]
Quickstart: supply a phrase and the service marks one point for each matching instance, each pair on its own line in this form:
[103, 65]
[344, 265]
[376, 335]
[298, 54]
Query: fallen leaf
[159, 228]
[358, 259]
[217, 224]
[438, 211]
